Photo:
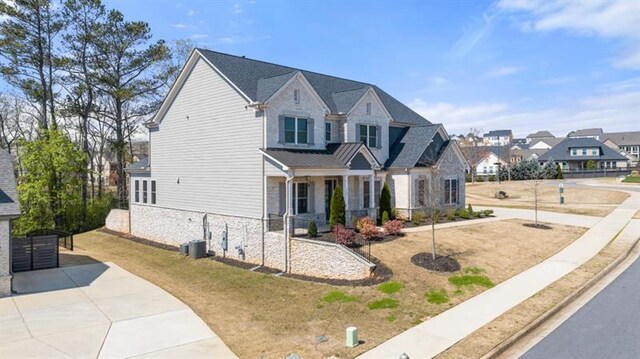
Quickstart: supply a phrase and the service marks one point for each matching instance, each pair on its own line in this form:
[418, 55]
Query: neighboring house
[540, 135]
[627, 143]
[519, 144]
[498, 138]
[544, 144]
[528, 154]
[9, 209]
[108, 165]
[240, 144]
[494, 158]
[595, 133]
[573, 154]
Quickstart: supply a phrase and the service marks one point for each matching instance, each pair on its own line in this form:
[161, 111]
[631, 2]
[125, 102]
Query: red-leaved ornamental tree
[367, 228]
[393, 227]
[344, 236]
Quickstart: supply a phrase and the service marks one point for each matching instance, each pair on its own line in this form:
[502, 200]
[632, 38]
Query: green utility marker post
[561, 193]
[352, 337]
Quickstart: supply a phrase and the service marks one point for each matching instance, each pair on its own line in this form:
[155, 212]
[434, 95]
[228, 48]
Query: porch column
[345, 192]
[372, 191]
[289, 205]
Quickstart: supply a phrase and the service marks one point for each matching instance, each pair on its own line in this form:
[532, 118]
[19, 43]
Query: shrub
[393, 227]
[451, 214]
[385, 199]
[417, 217]
[469, 208]
[479, 179]
[337, 211]
[343, 235]
[394, 213]
[487, 212]
[386, 303]
[367, 228]
[467, 178]
[492, 178]
[437, 296]
[592, 165]
[559, 174]
[434, 215]
[385, 217]
[463, 213]
[312, 229]
[390, 287]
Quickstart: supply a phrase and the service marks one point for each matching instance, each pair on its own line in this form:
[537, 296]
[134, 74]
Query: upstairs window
[153, 192]
[368, 108]
[574, 152]
[369, 135]
[295, 130]
[584, 151]
[137, 191]
[327, 131]
[594, 152]
[296, 96]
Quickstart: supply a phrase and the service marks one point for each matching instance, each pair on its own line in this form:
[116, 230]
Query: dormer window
[296, 96]
[368, 108]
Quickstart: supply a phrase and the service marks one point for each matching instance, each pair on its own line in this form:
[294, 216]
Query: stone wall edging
[339, 247]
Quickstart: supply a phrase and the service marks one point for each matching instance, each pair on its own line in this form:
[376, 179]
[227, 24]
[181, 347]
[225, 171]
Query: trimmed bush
[487, 212]
[434, 215]
[337, 213]
[479, 179]
[394, 213]
[312, 229]
[367, 228]
[417, 217]
[463, 213]
[385, 217]
[469, 208]
[344, 236]
[492, 178]
[467, 178]
[451, 214]
[385, 200]
[559, 174]
[393, 227]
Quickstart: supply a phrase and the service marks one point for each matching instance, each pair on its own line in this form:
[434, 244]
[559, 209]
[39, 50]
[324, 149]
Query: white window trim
[295, 131]
[295, 198]
[375, 145]
[325, 131]
[296, 96]
[450, 192]
[136, 190]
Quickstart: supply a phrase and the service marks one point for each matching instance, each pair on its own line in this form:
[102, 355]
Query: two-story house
[574, 154]
[241, 149]
[595, 133]
[626, 143]
[498, 138]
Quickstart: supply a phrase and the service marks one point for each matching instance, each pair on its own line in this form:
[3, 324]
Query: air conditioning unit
[197, 249]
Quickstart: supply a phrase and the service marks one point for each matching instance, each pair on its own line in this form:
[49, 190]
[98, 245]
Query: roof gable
[9, 201]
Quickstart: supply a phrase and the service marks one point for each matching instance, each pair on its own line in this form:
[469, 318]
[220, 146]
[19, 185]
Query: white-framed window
[153, 192]
[422, 193]
[137, 191]
[300, 198]
[584, 151]
[484, 169]
[369, 135]
[366, 191]
[574, 152]
[296, 96]
[327, 131]
[144, 191]
[296, 130]
[368, 108]
[594, 152]
[450, 191]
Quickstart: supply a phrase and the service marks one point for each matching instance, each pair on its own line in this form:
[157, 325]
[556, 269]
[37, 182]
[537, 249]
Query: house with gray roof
[498, 138]
[574, 154]
[540, 135]
[268, 145]
[626, 143]
[9, 210]
[595, 133]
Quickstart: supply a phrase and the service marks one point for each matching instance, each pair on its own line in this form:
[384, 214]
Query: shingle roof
[503, 152]
[561, 151]
[337, 155]
[142, 165]
[9, 202]
[623, 138]
[259, 80]
[407, 150]
[498, 133]
[552, 141]
[541, 134]
[586, 132]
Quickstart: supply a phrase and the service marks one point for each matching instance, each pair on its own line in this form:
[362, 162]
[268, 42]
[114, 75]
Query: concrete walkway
[100, 311]
[433, 336]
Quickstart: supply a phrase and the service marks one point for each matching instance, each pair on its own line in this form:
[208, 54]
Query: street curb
[509, 342]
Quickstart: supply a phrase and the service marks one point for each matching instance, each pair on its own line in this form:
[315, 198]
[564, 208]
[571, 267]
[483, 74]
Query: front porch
[310, 199]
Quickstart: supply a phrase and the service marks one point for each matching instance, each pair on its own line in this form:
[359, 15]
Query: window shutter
[357, 139]
[281, 129]
[379, 136]
[282, 198]
[443, 195]
[416, 193]
[312, 197]
[310, 128]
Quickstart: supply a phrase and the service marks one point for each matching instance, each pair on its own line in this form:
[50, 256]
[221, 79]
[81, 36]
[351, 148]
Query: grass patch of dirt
[338, 296]
[578, 200]
[390, 287]
[259, 314]
[631, 179]
[466, 280]
[439, 296]
[473, 270]
[384, 303]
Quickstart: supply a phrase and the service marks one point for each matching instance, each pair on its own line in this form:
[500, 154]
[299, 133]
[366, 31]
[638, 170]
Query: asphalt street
[608, 326]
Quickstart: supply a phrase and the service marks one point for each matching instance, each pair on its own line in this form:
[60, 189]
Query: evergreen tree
[559, 174]
[385, 199]
[337, 213]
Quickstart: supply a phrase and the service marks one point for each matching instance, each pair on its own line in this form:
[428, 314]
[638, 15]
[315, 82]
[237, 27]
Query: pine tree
[385, 199]
[559, 174]
[337, 212]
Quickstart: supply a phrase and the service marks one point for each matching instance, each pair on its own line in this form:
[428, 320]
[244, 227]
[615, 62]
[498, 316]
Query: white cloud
[237, 9]
[502, 71]
[618, 19]
[179, 26]
[199, 36]
[474, 34]
[439, 81]
[614, 107]
[191, 12]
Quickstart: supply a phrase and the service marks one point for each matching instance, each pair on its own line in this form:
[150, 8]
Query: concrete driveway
[100, 311]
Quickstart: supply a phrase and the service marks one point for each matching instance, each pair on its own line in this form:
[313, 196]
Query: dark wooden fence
[35, 252]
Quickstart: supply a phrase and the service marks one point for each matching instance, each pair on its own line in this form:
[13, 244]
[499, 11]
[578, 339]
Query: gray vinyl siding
[208, 141]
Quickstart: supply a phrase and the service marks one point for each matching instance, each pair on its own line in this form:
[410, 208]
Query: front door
[329, 186]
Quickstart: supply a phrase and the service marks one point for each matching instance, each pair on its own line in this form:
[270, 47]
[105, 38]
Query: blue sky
[524, 65]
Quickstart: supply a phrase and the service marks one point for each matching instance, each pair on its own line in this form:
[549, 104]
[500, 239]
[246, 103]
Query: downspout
[409, 194]
[264, 182]
[287, 236]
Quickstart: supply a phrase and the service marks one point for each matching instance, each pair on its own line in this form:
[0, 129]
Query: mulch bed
[147, 242]
[330, 237]
[539, 226]
[441, 264]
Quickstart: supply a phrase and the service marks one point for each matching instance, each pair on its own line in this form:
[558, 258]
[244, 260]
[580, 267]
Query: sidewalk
[430, 338]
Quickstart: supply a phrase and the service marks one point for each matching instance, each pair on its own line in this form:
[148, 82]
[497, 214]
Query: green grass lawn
[631, 179]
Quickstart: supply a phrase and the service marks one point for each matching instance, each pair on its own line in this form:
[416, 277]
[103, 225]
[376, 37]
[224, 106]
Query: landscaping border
[536, 323]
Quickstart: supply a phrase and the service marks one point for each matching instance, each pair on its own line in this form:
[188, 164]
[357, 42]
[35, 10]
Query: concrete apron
[435, 335]
[100, 311]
